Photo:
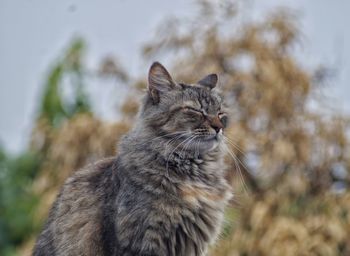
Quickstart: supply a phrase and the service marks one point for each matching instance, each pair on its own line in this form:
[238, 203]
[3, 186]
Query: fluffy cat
[165, 191]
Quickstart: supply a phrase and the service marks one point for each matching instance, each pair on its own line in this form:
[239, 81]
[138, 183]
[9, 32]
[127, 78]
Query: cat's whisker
[234, 144]
[165, 135]
[187, 144]
[175, 138]
[242, 163]
[167, 162]
[238, 169]
[234, 157]
[197, 149]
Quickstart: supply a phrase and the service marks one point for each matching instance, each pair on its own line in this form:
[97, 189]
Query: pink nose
[215, 123]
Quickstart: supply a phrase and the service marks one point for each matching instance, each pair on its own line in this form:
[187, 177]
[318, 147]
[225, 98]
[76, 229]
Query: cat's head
[188, 115]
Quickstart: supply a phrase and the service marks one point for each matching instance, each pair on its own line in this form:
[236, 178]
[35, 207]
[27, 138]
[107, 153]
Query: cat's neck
[155, 153]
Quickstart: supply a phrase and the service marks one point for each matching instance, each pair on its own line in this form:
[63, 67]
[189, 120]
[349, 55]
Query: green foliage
[16, 202]
[54, 107]
[17, 173]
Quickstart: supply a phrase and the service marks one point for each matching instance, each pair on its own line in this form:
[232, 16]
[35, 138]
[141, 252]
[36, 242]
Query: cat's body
[162, 195]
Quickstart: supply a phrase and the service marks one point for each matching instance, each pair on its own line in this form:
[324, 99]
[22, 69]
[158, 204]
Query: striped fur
[163, 194]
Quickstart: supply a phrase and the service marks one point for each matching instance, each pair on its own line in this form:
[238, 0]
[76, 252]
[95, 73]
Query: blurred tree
[293, 159]
[266, 90]
[17, 200]
[54, 107]
[17, 203]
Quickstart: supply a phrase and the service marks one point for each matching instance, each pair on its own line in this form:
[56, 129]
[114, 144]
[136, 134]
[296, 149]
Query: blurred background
[72, 74]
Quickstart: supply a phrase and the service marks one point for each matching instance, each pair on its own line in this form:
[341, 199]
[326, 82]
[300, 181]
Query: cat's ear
[209, 81]
[159, 80]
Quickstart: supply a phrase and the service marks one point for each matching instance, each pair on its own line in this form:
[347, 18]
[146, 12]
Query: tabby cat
[165, 191]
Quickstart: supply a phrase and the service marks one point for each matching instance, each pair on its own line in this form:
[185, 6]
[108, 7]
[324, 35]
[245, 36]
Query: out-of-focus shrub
[285, 223]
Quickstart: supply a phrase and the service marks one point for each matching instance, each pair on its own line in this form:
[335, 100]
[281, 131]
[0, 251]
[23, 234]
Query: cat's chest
[205, 186]
[202, 212]
[196, 195]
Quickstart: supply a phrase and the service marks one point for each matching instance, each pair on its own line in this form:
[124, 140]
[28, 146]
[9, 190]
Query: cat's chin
[208, 145]
[211, 146]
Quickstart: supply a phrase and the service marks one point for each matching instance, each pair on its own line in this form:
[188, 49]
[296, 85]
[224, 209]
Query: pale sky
[34, 32]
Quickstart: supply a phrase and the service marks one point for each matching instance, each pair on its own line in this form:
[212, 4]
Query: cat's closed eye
[193, 110]
[221, 115]
[223, 118]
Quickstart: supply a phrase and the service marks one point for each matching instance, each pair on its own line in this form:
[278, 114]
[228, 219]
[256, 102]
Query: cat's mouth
[209, 136]
[208, 142]
[202, 141]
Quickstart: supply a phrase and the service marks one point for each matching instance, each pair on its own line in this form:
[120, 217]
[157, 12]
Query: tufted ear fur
[209, 81]
[159, 80]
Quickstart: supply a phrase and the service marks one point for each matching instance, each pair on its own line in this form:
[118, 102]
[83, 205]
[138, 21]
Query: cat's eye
[223, 118]
[221, 115]
[192, 109]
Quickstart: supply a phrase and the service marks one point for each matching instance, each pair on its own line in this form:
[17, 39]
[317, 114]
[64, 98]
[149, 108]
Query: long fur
[160, 195]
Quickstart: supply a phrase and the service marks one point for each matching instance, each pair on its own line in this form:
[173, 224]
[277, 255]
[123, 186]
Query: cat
[163, 194]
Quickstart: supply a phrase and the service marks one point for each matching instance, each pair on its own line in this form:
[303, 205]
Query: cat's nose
[216, 124]
[216, 128]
